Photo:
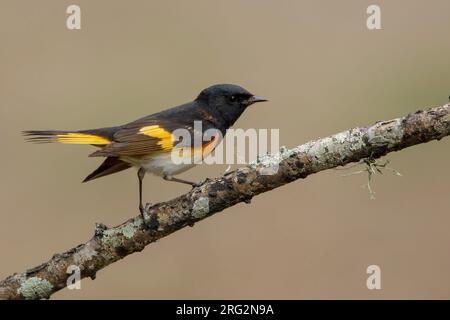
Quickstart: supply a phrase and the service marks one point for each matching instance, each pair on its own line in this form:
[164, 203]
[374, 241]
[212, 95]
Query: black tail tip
[39, 136]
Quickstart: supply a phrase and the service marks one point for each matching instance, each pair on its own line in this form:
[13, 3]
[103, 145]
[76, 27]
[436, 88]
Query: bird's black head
[227, 101]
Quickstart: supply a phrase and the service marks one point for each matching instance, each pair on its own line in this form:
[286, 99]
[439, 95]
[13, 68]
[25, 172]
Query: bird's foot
[200, 183]
[150, 220]
[143, 212]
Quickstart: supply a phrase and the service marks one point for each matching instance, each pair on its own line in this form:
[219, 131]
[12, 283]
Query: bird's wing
[150, 135]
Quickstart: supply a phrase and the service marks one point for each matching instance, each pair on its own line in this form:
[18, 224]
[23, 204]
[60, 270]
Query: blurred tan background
[323, 72]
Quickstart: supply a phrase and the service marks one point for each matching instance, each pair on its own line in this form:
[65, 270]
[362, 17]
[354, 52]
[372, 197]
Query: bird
[148, 142]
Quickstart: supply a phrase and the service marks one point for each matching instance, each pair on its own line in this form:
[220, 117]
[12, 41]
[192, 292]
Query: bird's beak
[255, 99]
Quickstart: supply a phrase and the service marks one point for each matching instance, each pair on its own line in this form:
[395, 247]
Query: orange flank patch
[208, 147]
[200, 152]
[166, 138]
[82, 138]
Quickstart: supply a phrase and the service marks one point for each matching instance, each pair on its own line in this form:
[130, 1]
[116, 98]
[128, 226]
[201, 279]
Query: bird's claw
[142, 211]
[200, 183]
[196, 184]
[150, 220]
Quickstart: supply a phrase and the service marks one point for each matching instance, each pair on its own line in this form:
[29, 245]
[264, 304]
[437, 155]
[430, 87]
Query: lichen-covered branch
[111, 244]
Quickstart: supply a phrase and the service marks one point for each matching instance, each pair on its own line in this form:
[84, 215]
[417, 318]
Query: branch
[109, 245]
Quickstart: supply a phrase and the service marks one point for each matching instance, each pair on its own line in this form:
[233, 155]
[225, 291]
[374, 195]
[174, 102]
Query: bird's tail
[109, 166]
[98, 137]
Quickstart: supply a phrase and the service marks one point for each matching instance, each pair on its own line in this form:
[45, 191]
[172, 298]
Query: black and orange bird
[148, 142]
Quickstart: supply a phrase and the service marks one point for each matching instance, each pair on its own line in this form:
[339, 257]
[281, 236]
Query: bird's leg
[141, 174]
[170, 178]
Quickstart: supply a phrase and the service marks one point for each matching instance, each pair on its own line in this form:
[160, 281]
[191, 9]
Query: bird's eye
[233, 98]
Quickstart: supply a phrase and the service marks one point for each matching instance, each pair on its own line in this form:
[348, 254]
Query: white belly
[160, 165]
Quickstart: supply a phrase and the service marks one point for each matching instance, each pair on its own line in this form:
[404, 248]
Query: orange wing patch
[81, 138]
[166, 139]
